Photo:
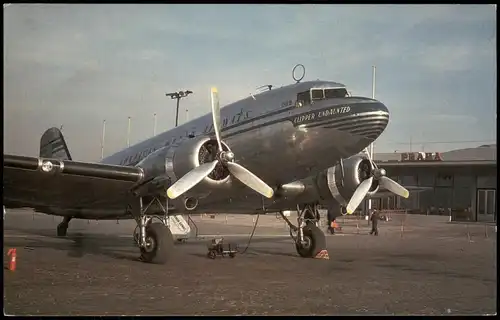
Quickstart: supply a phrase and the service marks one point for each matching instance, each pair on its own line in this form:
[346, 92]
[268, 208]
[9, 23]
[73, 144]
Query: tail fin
[52, 145]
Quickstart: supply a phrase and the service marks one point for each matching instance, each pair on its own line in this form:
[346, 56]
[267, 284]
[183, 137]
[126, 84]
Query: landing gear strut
[308, 237]
[154, 239]
[62, 228]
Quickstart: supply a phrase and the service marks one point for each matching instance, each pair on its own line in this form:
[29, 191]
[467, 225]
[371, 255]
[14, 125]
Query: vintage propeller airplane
[292, 147]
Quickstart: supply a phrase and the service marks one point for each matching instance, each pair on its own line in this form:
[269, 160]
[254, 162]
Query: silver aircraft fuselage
[277, 137]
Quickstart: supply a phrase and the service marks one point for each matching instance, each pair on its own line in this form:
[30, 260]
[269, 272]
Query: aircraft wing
[44, 183]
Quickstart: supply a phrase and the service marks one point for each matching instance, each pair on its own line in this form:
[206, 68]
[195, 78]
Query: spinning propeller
[225, 158]
[364, 187]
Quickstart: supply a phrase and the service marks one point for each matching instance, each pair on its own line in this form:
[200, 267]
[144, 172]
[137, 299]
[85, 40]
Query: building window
[463, 180]
[462, 198]
[426, 201]
[444, 180]
[426, 180]
[487, 182]
[443, 199]
[411, 203]
[409, 180]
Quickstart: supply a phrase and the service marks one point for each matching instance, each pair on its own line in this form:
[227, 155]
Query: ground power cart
[218, 248]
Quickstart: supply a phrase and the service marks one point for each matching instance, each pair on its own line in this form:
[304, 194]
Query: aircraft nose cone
[368, 119]
[372, 119]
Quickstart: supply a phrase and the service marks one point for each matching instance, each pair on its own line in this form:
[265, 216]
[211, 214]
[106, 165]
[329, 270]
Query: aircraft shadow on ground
[240, 240]
[250, 252]
[78, 244]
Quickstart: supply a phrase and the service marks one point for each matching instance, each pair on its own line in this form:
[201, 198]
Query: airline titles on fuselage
[311, 116]
[209, 128]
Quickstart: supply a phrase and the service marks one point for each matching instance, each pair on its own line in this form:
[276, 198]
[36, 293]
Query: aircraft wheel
[314, 242]
[159, 244]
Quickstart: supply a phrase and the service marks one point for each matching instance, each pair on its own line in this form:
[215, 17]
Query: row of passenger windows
[321, 94]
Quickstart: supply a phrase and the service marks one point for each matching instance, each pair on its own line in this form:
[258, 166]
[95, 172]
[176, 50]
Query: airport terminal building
[461, 182]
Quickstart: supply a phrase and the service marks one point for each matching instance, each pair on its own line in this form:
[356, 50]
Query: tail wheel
[314, 242]
[159, 244]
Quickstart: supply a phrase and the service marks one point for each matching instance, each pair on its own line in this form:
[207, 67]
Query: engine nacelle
[340, 182]
[167, 165]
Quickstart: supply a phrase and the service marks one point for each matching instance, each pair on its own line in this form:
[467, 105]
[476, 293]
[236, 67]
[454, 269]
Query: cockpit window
[317, 94]
[303, 98]
[335, 93]
[307, 97]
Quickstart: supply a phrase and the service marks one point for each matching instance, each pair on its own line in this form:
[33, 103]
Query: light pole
[178, 96]
[102, 138]
[154, 124]
[370, 148]
[128, 132]
[374, 69]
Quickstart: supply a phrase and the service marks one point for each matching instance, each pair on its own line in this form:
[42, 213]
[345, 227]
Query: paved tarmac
[428, 267]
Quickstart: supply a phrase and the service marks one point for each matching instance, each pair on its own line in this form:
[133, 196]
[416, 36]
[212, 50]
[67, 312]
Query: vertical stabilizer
[52, 145]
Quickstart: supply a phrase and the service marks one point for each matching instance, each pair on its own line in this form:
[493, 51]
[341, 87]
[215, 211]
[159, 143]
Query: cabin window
[303, 98]
[335, 93]
[317, 94]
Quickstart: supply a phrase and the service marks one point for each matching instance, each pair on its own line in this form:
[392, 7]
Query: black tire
[316, 240]
[212, 254]
[231, 255]
[161, 244]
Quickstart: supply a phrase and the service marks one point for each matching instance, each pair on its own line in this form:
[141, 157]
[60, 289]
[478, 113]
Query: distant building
[463, 182]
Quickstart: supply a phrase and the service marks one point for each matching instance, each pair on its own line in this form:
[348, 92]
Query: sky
[77, 64]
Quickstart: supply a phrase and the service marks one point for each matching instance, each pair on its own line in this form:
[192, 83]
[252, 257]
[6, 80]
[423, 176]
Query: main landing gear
[308, 237]
[62, 228]
[154, 239]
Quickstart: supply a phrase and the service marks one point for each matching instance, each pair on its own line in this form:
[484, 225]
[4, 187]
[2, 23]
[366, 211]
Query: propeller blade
[249, 179]
[190, 179]
[359, 195]
[394, 187]
[216, 114]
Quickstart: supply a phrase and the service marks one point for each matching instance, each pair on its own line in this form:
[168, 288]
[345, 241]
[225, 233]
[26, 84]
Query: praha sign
[421, 156]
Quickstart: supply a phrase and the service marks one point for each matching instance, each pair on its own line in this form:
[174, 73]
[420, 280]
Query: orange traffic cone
[335, 226]
[13, 255]
[323, 254]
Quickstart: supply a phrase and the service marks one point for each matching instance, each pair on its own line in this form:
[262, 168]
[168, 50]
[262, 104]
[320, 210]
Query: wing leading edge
[50, 185]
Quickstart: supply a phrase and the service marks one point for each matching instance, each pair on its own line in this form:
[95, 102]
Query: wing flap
[52, 184]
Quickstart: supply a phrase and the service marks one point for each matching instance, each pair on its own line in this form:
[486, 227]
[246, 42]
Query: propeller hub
[378, 173]
[227, 156]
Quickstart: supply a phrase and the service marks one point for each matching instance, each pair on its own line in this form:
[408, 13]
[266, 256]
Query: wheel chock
[323, 254]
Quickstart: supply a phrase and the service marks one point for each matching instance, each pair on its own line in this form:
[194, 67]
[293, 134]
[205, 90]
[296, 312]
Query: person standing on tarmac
[374, 219]
[331, 219]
